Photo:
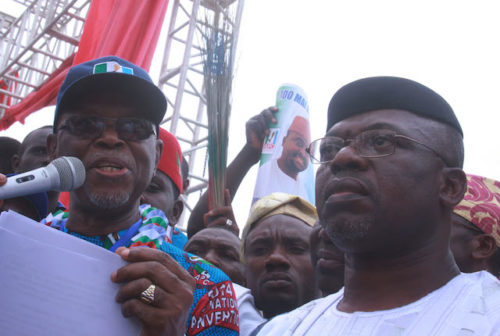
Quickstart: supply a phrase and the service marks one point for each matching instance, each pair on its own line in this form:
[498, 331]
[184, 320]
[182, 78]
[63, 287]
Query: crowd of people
[401, 241]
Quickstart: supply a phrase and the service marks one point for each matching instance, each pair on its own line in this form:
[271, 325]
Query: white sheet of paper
[14, 222]
[49, 290]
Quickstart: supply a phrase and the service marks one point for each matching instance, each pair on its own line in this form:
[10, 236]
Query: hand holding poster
[284, 164]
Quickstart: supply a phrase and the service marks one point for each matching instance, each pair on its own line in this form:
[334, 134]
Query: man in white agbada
[389, 177]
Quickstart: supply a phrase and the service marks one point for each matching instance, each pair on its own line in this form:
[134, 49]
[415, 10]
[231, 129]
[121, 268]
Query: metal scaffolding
[181, 79]
[35, 44]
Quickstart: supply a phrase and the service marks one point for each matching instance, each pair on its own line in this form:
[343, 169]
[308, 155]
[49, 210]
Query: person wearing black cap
[388, 179]
[108, 114]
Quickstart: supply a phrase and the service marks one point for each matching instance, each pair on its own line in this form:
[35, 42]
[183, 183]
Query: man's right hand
[223, 216]
[257, 129]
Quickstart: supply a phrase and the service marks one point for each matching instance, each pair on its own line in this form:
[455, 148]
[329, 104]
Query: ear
[177, 211]
[483, 246]
[453, 186]
[159, 149]
[14, 162]
[185, 186]
[284, 139]
[52, 146]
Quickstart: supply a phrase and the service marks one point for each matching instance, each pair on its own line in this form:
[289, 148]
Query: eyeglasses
[369, 144]
[91, 127]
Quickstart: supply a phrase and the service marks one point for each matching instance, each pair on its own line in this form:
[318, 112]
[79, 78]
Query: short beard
[345, 232]
[109, 200]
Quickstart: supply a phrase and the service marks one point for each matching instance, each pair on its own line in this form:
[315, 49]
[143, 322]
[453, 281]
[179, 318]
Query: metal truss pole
[34, 45]
[181, 79]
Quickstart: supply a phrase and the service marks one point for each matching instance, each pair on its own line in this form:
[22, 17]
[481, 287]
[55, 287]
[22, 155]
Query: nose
[109, 137]
[324, 236]
[277, 259]
[46, 160]
[303, 152]
[213, 258]
[347, 158]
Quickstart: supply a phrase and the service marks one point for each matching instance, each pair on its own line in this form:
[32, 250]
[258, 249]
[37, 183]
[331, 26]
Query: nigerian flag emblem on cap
[112, 67]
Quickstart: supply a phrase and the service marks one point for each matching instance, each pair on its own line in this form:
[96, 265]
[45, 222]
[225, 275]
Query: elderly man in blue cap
[108, 114]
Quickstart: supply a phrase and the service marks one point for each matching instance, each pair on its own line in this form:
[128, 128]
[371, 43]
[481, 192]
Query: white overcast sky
[320, 45]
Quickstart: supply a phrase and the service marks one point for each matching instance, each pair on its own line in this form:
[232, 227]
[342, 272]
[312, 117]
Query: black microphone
[63, 174]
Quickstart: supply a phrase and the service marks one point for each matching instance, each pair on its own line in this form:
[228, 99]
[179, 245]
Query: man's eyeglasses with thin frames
[369, 144]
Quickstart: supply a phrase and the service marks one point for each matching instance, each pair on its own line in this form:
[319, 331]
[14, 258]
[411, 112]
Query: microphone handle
[31, 182]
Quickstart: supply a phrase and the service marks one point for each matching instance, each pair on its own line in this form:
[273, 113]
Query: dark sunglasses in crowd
[91, 127]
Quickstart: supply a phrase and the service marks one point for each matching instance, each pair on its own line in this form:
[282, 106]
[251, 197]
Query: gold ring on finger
[148, 295]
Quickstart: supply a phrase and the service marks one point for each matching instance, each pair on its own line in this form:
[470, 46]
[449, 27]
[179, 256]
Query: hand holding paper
[172, 294]
[257, 128]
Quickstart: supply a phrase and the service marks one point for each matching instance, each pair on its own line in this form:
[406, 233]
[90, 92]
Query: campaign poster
[285, 165]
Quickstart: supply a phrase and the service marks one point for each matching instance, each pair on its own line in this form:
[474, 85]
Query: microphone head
[71, 172]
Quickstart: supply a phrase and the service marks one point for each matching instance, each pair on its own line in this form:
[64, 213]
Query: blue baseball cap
[112, 72]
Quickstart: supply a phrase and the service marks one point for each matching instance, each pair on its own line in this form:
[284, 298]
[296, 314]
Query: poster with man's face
[285, 165]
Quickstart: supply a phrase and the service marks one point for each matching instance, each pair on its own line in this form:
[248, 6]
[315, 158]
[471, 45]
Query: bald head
[8, 148]
[33, 153]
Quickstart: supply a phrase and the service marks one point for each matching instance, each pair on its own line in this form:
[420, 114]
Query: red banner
[125, 28]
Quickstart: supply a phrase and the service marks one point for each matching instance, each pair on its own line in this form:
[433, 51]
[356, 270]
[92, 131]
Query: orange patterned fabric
[481, 205]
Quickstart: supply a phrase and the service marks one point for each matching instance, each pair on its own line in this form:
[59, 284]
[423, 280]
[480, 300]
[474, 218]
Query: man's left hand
[168, 311]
